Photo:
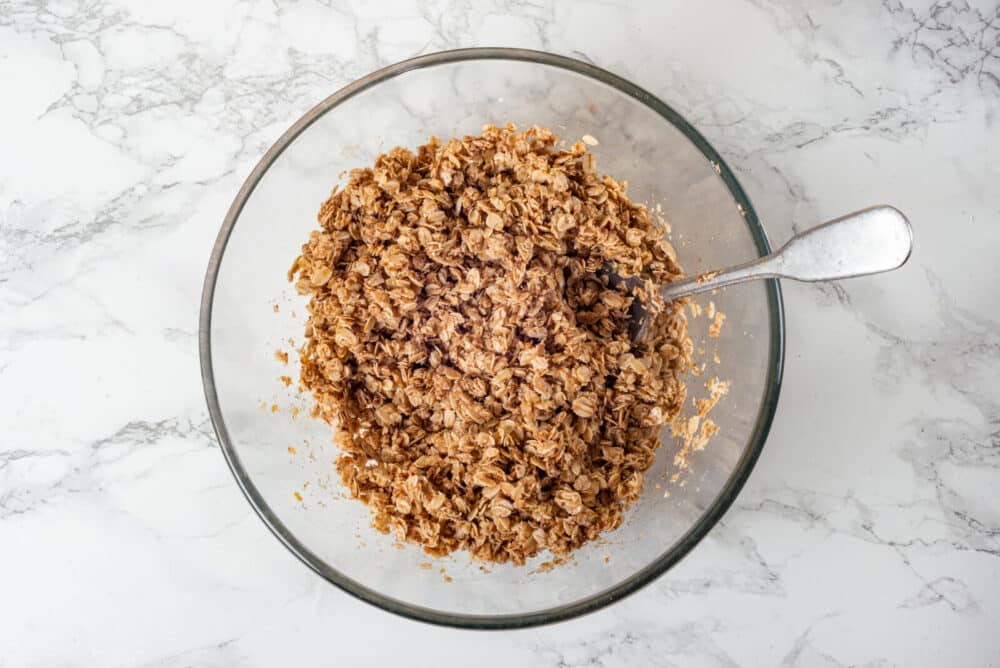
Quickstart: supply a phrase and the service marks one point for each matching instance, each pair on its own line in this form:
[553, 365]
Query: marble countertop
[869, 533]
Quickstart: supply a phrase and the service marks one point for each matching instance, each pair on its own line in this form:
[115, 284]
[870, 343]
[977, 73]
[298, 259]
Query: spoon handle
[865, 242]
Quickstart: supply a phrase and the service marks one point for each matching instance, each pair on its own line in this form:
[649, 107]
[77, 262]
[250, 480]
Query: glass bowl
[249, 310]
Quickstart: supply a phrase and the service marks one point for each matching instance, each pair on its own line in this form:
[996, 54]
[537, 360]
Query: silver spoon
[869, 241]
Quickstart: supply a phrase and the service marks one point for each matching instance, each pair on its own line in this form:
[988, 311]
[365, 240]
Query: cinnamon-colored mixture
[466, 345]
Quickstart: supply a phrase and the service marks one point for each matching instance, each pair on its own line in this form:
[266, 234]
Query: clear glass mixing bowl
[642, 140]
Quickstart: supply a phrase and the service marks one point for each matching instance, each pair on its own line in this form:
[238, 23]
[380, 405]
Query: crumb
[426, 565]
[448, 578]
[607, 558]
[696, 430]
[715, 357]
[274, 408]
[716, 326]
[295, 411]
[281, 356]
[287, 380]
[545, 567]
[298, 497]
[710, 311]
[706, 276]
[276, 308]
[291, 450]
[590, 140]
[263, 405]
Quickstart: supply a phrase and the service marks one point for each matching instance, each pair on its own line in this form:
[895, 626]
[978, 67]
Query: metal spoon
[869, 241]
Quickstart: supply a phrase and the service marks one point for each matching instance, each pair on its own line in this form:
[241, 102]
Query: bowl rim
[637, 580]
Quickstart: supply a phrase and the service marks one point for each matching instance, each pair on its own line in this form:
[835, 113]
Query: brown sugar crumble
[465, 344]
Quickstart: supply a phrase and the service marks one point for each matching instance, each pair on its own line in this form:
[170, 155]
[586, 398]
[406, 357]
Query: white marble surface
[869, 534]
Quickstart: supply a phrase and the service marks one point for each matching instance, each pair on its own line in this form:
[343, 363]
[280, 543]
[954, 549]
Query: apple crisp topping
[464, 341]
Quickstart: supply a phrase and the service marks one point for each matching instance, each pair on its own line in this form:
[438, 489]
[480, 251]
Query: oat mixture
[465, 343]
